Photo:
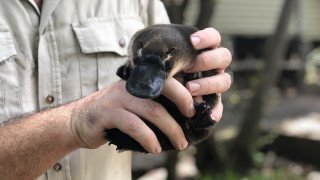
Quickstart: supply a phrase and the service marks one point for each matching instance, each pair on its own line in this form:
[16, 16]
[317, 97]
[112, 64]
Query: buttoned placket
[49, 68]
[49, 86]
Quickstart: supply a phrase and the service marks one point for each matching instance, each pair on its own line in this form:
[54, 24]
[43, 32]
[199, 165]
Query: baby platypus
[156, 53]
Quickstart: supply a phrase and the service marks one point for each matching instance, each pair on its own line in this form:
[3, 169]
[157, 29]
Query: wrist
[78, 122]
[72, 139]
[73, 135]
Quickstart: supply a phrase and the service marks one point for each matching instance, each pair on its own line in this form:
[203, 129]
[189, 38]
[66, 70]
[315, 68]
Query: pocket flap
[103, 35]
[6, 45]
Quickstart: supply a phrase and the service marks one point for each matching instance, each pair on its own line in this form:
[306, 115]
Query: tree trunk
[171, 164]
[273, 56]
[176, 11]
[205, 14]
[211, 156]
[302, 43]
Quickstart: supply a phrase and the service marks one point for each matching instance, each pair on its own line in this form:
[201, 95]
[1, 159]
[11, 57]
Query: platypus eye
[170, 51]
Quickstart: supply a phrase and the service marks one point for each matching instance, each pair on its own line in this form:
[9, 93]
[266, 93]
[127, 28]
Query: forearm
[31, 145]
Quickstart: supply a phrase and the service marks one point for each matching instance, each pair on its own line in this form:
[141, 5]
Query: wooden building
[246, 25]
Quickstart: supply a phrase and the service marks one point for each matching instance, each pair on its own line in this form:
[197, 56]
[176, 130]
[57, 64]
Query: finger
[219, 58]
[216, 113]
[209, 85]
[179, 95]
[207, 38]
[132, 125]
[158, 115]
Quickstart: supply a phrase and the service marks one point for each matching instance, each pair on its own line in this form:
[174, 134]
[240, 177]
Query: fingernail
[194, 87]
[195, 41]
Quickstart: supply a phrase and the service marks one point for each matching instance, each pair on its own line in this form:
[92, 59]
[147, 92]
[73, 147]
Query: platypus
[156, 53]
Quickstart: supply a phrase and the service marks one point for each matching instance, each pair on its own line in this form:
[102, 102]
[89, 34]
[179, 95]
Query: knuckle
[134, 124]
[156, 109]
[117, 88]
[118, 85]
[205, 57]
[207, 86]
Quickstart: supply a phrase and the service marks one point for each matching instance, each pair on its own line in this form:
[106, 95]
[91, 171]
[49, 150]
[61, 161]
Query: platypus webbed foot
[202, 118]
[198, 127]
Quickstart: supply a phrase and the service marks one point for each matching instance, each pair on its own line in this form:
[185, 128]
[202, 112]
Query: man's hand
[114, 107]
[216, 58]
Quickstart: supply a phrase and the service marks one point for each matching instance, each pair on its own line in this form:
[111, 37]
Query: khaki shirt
[67, 51]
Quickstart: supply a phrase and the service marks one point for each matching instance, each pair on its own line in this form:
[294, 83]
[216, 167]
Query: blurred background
[270, 128]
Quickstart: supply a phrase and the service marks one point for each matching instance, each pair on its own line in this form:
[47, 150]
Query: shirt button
[122, 42]
[57, 167]
[49, 99]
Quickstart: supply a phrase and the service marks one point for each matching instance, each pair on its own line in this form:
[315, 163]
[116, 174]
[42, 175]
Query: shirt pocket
[9, 87]
[108, 39]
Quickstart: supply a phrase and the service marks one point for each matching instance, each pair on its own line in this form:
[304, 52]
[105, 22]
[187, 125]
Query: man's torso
[69, 50]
